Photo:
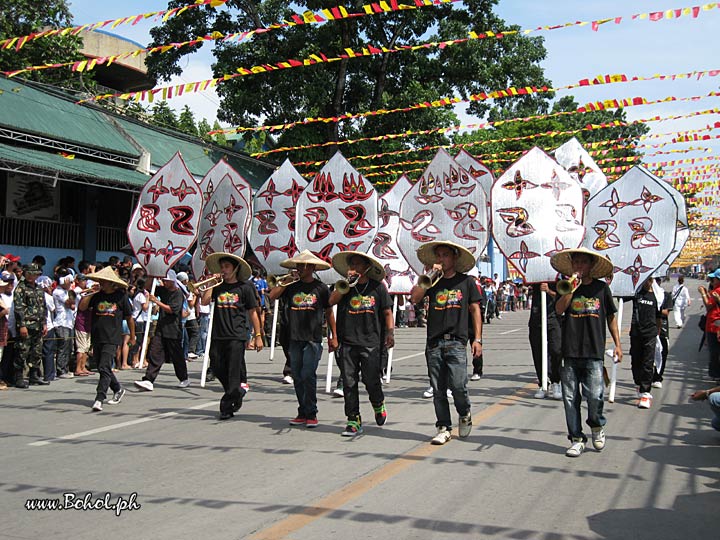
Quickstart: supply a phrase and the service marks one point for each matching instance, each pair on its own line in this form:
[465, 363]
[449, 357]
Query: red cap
[12, 258]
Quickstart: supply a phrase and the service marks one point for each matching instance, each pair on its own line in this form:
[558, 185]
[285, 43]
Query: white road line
[121, 425]
[510, 331]
[409, 356]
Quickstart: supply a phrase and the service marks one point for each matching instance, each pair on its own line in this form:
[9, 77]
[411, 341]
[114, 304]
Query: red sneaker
[311, 423]
[298, 421]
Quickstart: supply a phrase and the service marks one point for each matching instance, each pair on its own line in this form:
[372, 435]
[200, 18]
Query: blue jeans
[204, 321]
[447, 366]
[714, 402]
[585, 373]
[304, 360]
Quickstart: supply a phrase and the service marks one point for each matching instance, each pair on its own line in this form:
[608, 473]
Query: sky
[634, 48]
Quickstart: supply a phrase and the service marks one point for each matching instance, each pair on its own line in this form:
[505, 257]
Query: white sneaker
[97, 406]
[245, 386]
[184, 384]
[657, 384]
[475, 377]
[557, 391]
[576, 449]
[449, 393]
[645, 401]
[287, 379]
[428, 393]
[144, 385]
[192, 356]
[443, 436]
[598, 439]
[338, 392]
[540, 394]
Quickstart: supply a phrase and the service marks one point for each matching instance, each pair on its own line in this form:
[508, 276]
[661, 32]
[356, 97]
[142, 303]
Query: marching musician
[452, 298]
[364, 320]
[307, 300]
[234, 312]
[110, 306]
[166, 344]
[588, 307]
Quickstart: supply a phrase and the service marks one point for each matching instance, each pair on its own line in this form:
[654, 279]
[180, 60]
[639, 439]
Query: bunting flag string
[19, 42]
[475, 127]
[370, 50]
[483, 96]
[308, 17]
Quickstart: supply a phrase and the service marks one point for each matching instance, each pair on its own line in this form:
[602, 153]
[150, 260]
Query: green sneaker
[353, 428]
[380, 414]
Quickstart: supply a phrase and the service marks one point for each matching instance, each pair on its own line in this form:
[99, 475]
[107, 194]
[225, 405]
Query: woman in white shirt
[140, 305]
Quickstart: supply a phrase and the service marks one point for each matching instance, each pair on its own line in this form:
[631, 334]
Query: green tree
[24, 17]
[186, 122]
[355, 85]
[164, 116]
[219, 139]
[203, 129]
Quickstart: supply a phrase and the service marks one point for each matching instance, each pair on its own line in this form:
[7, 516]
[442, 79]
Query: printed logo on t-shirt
[227, 300]
[106, 309]
[585, 307]
[448, 299]
[361, 304]
[304, 301]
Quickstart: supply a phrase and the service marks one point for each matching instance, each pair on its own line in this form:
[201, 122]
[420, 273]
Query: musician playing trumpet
[365, 325]
[234, 315]
[454, 302]
[711, 300]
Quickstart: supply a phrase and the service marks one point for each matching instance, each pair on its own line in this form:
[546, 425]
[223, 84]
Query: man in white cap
[588, 307]
[234, 316]
[364, 310]
[110, 306]
[166, 344]
[307, 302]
[454, 305]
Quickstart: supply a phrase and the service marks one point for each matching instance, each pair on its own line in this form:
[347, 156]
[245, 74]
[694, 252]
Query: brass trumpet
[343, 286]
[284, 280]
[430, 279]
[205, 284]
[87, 292]
[567, 286]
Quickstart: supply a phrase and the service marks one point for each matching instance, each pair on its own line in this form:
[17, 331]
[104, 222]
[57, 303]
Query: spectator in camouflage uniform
[30, 313]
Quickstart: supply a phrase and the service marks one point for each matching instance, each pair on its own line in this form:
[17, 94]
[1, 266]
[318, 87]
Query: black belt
[446, 337]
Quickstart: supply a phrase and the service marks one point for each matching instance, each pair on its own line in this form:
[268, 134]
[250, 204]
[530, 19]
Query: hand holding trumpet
[431, 278]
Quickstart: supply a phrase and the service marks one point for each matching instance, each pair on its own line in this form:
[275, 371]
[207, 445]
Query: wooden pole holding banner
[273, 333]
[146, 333]
[208, 339]
[390, 351]
[613, 371]
[331, 359]
[544, 338]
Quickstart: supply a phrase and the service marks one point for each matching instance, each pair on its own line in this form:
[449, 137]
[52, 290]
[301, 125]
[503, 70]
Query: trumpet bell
[567, 286]
[282, 281]
[204, 284]
[429, 280]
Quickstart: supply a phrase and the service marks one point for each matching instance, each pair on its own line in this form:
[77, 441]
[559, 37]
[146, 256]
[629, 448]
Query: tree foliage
[360, 84]
[23, 17]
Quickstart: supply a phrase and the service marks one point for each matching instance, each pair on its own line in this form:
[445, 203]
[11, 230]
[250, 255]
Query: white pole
[390, 351]
[331, 358]
[208, 339]
[613, 371]
[544, 340]
[273, 333]
[146, 333]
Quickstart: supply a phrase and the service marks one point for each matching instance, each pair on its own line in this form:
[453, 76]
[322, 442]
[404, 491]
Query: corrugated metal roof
[28, 110]
[72, 168]
[198, 157]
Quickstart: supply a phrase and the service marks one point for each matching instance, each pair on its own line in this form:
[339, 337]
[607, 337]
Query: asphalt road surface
[180, 473]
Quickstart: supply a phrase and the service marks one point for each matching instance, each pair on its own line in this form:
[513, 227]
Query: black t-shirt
[667, 304]
[583, 334]
[233, 301]
[448, 312]
[644, 315]
[169, 325]
[109, 311]
[306, 304]
[536, 307]
[360, 314]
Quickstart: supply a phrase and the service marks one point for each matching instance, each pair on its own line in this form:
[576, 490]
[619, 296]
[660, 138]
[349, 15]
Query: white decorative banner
[582, 167]
[633, 222]
[477, 170]
[682, 230]
[165, 222]
[536, 212]
[337, 211]
[446, 203]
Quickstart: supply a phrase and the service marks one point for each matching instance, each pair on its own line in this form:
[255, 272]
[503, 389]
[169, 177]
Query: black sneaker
[117, 397]
[380, 414]
[226, 415]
